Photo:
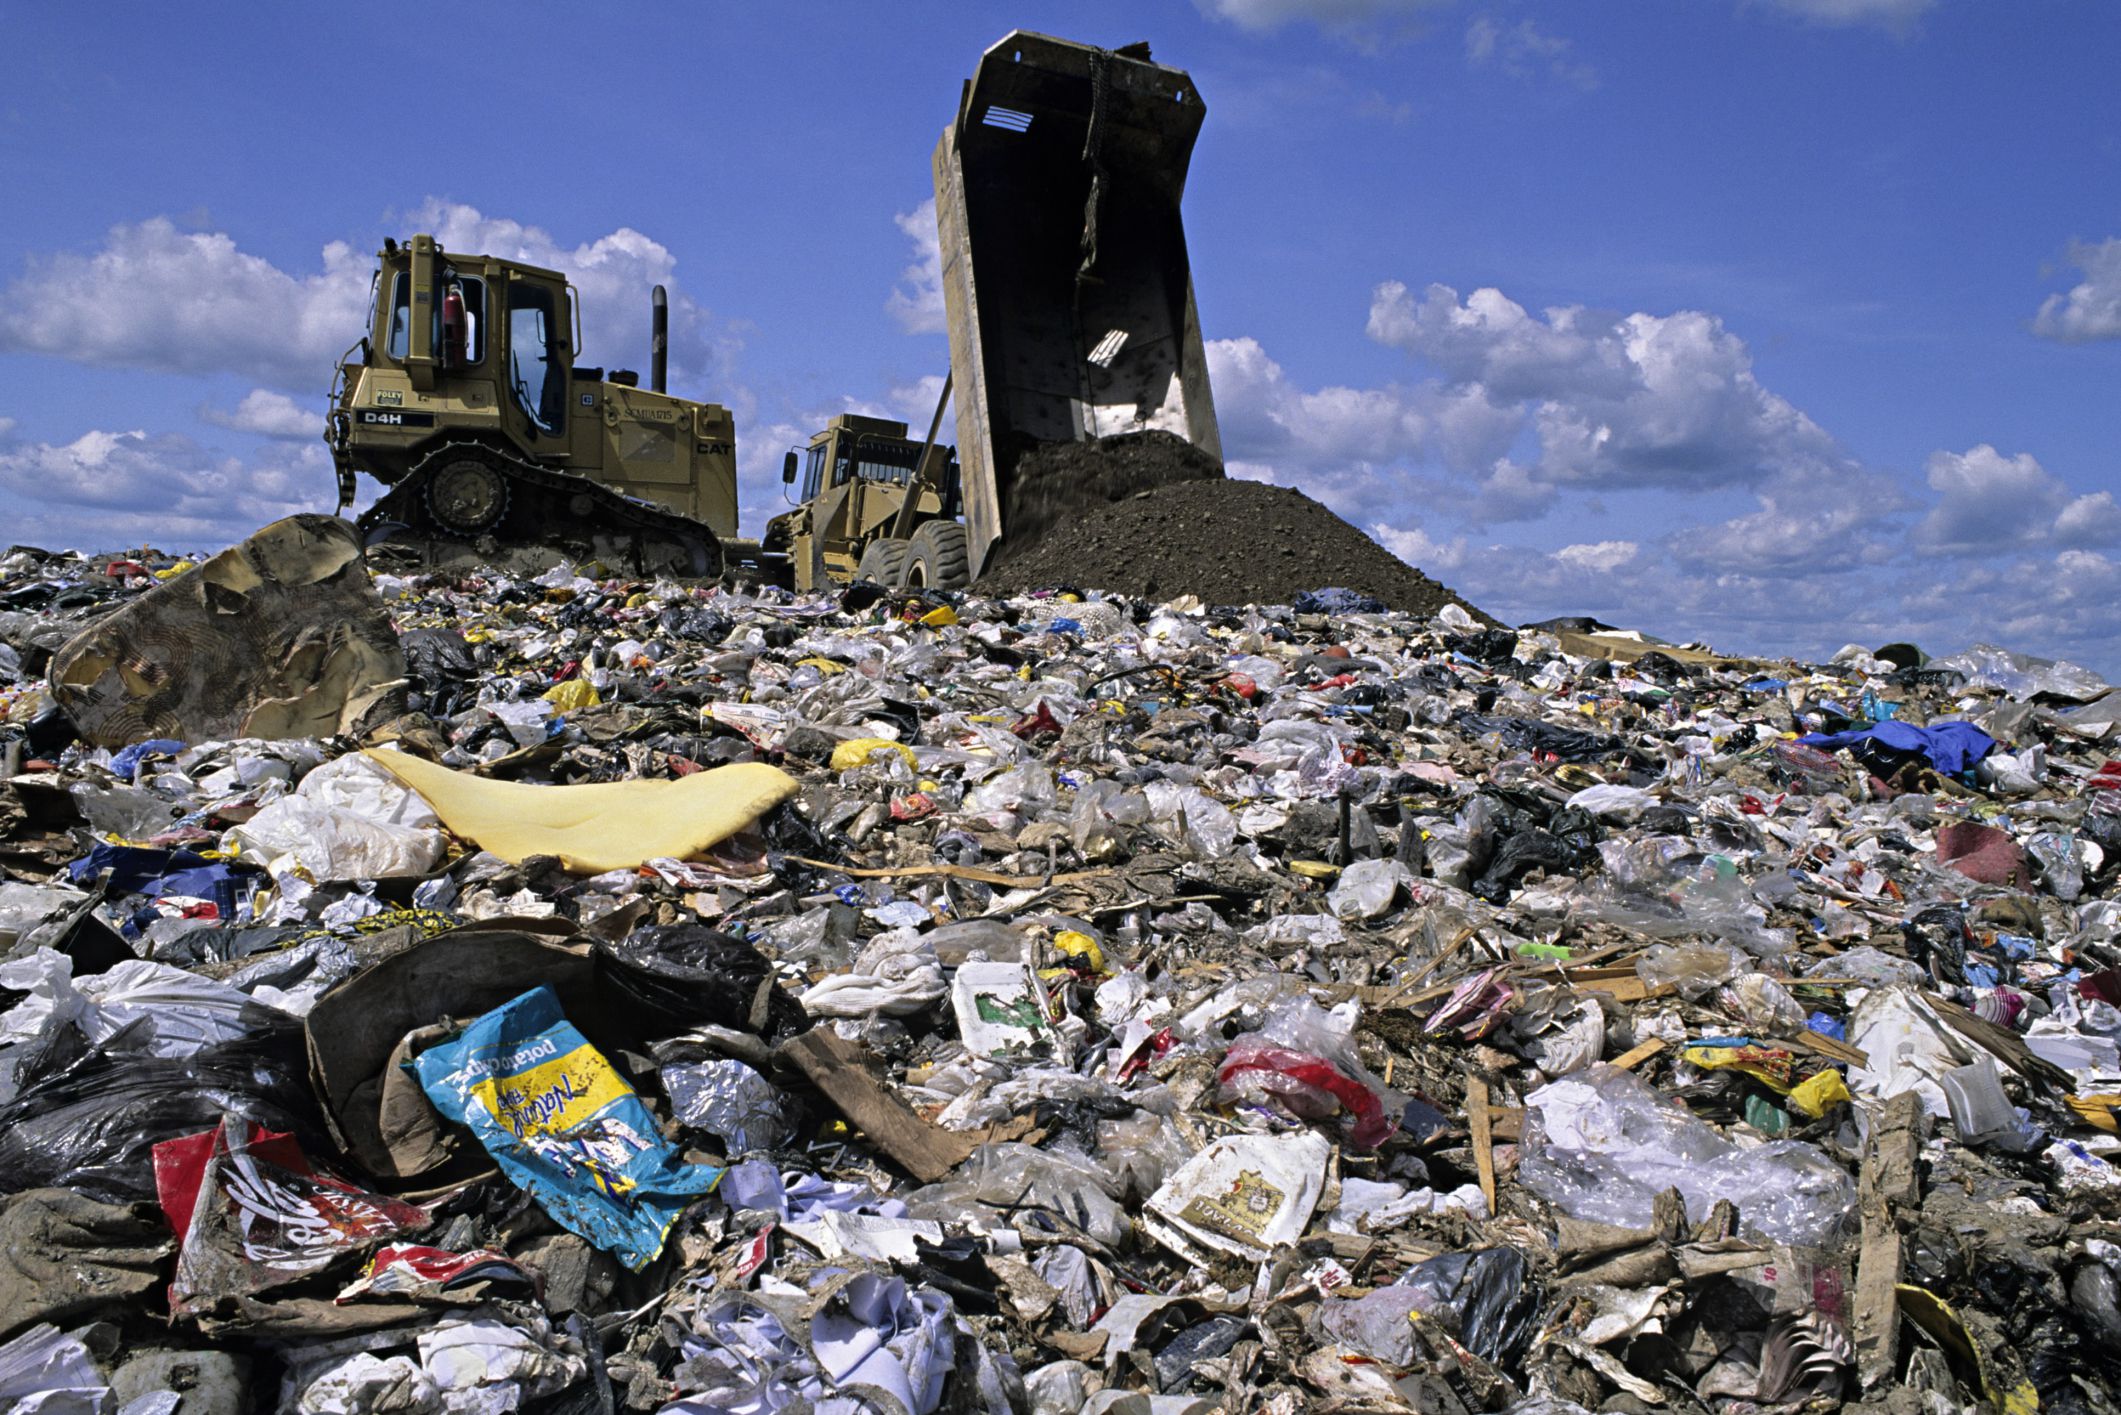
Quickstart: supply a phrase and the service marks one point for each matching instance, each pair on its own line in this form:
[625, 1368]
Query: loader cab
[874, 451]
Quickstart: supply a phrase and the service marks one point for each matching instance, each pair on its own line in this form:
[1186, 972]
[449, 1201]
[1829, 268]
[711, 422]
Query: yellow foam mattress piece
[610, 825]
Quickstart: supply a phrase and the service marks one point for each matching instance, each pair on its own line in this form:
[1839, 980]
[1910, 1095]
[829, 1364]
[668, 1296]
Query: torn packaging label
[563, 1124]
[253, 1214]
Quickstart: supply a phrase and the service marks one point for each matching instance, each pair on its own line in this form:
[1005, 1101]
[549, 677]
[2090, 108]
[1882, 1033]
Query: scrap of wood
[1635, 1055]
[1631, 989]
[1483, 1138]
[971, 872]
[2002, 1043]
[1465, 936]
[1820, 1044]
[842, 1071]
[1566, 971]
[1889, 1180]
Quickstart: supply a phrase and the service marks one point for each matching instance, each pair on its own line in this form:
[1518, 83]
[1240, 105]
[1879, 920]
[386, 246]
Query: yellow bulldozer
[1071, 318]
[465, 400]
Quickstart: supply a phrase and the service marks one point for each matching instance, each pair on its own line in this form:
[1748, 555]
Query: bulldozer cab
[852, 481]
[470, 363]
[468, 340]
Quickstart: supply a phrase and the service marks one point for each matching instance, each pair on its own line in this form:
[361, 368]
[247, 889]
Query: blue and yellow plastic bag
[565, 1126]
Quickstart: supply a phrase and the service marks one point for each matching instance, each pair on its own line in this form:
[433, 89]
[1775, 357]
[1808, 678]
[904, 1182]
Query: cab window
[398, 338]
[399, 344]
[537, 356]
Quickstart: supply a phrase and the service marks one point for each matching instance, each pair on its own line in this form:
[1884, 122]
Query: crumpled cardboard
[280, 636]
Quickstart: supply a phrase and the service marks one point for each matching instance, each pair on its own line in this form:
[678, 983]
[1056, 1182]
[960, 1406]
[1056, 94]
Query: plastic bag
[1012, 1178]
[349, 819]
[160, 1010]
[2021, 675]
[1367, 888]
[1694, 969]
[1601, 1145]
[673, 977]
[730, 1101]
[1483, 1299]
[1309, 1087]
[565, 1126]
[253, 1214]
[896, 974]
[93, 1126]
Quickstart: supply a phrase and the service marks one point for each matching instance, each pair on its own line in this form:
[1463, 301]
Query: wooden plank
[1890, 1180]
[1877, 1314]
[842, 1070]
[1483, 1137]
[1634, 1056]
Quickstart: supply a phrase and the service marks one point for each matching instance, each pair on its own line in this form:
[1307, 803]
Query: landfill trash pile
[698, 1000]
[1221, 541]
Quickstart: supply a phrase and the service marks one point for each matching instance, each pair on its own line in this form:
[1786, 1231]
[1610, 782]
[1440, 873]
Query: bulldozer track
[542, 500]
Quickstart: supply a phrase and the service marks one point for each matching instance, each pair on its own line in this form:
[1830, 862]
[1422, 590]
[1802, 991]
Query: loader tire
[936, 557]
[883, 561]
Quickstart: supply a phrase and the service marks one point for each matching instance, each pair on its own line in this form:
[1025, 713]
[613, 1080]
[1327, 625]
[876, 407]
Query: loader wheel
[936, 558]
[883, 561]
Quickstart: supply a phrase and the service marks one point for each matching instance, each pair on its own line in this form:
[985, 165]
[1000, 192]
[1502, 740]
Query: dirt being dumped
[1229, 542]
[1051, 482]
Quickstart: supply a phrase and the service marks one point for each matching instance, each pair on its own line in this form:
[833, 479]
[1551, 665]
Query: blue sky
[1776, 323]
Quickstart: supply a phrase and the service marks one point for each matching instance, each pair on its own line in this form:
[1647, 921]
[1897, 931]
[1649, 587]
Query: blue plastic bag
[563, 1124]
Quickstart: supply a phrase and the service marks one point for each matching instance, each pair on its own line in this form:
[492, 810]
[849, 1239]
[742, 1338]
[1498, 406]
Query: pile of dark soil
[1229, 542]
[1053, 482]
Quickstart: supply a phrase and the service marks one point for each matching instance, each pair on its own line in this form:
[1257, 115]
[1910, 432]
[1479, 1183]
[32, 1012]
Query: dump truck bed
[1065, 276]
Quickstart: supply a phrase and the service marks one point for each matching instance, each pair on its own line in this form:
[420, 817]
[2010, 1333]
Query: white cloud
[269, 414]
[1338, 16]
[1988, 503]
[2092, 308]
[1618, 401]
[917, 300]
[1603, 556]
[109, 489]
[157, 298]
[1421, 550]
[1898, 16]
[2091, 519]
[1524, 50]
[1263, 413]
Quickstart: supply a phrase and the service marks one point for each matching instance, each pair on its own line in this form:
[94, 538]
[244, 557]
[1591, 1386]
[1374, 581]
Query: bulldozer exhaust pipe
[659, 340]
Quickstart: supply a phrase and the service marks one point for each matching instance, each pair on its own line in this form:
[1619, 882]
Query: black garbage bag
[789, 833]
[705, 626]
[91, 1126]
[438, 657]
[1545, 739]
[1520, 854]
[1483, 1299]
[1660, 668]
[674, 977]
[1487, 646]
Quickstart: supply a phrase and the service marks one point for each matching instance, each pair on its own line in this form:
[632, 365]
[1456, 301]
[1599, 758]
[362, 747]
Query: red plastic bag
[253, 1214]
[1309, 1087]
